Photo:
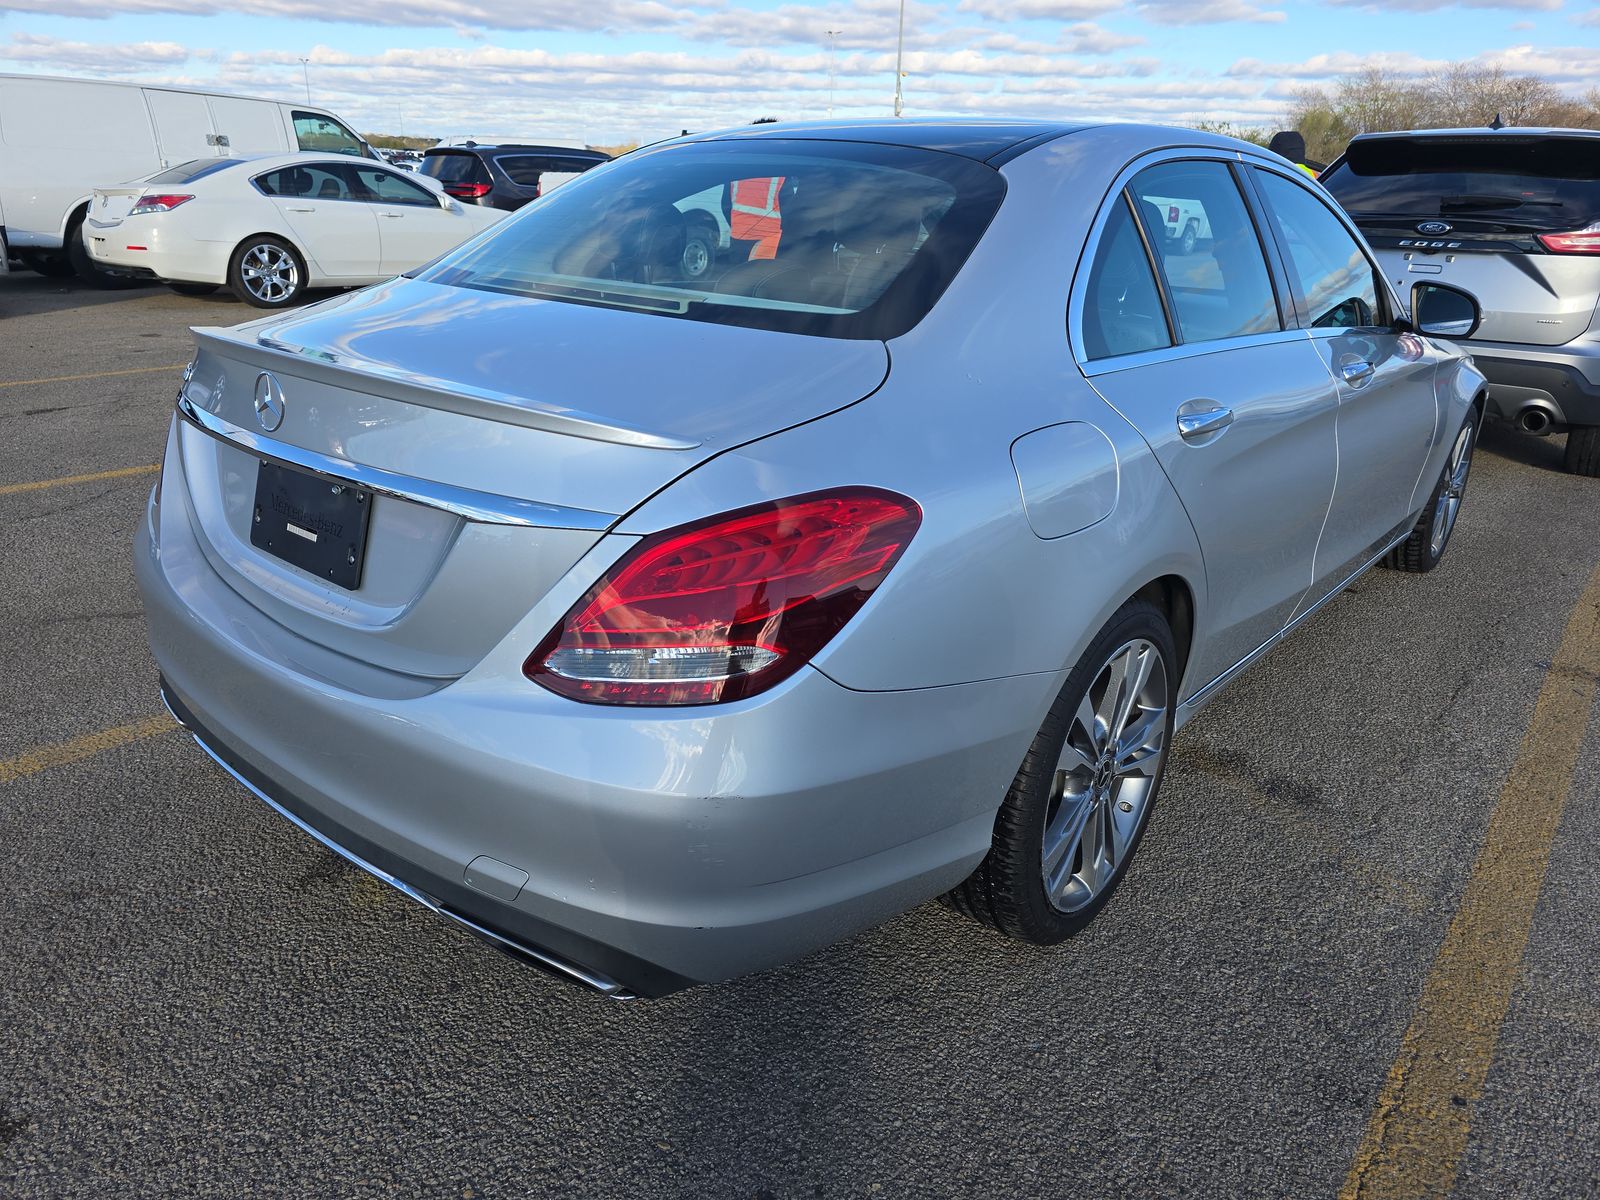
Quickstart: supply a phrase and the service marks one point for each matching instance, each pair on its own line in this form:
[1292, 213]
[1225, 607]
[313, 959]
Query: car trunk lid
[497, 436]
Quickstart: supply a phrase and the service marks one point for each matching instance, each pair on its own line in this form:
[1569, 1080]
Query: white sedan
[270, 228]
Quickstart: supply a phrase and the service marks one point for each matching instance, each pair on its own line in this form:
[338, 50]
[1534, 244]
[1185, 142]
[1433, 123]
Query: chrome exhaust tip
[1535, 419]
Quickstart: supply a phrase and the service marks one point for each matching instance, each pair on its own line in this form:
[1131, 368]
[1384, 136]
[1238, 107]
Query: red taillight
[725, 608]
[159, 202]
[467, 191]
[1580, 241]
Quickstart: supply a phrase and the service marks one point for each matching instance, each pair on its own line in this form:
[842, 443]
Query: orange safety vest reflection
[755, 217]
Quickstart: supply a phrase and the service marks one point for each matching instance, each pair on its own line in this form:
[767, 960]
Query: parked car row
[270, 198]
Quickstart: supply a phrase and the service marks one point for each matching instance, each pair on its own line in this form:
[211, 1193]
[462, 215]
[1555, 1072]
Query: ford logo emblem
[1435, 227]
[268, 402]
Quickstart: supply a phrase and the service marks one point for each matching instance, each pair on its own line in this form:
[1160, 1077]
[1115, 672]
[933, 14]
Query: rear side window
[194, 169]
[1334, 277]
[315, 182]
[455, 168]
[324, 135]
[1207, 249]
[1534, 182]
[1122, 310]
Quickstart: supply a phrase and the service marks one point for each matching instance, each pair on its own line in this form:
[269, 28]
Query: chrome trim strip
[604, 984]
[1291, 625]
[485, 507]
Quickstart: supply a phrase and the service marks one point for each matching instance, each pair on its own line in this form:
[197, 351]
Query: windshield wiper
[1455, 203]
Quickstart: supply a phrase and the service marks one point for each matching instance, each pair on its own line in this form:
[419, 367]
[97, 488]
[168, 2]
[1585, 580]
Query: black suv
[505, 176]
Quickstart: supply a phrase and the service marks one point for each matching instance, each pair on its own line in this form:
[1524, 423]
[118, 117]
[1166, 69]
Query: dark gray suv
[1511, 216]
[505, 176]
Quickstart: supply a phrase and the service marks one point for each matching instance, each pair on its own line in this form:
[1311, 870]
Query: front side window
[868, 238]
[1207, 249]
[1122, 308]
[320, 133]
[1336, 281]
[376, 185]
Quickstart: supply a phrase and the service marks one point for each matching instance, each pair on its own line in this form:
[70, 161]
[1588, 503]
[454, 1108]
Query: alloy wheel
[1455, 485]
[1106, 777]
[270, 273]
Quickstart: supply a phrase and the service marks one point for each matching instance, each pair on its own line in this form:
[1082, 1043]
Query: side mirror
[1439, 310]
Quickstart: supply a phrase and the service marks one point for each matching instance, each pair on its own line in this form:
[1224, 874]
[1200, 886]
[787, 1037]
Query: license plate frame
[312, 522]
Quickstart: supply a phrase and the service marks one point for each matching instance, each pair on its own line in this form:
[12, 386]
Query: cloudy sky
[614, 70]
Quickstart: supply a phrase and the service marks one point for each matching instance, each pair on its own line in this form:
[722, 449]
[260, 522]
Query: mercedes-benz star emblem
[268, 402]
[1435, 227]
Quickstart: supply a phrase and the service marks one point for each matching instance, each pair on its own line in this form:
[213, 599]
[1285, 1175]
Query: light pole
[899, 59]
[832, 33]
[306, 71]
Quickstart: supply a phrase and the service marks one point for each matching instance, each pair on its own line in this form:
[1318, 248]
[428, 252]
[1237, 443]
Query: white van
[61, 138]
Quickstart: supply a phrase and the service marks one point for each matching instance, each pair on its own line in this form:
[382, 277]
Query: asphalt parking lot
[1320, 979]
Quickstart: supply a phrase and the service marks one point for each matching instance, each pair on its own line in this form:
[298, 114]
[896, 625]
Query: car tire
[193, 289]
[1191, 234]
[1583, 450]
[699, 251]
[51, 266]
[267, 272]
[1422, 551]
[1073, 817]
[84, 266]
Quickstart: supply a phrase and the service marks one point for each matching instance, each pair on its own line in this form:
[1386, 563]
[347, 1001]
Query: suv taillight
[1580, 241]
[467, 191]
[725, 608]
[152, 202]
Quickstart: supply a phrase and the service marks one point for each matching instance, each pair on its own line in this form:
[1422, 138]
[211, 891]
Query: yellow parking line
[1418, 1130]
[91, 375]
[90, 744]
[38, 485]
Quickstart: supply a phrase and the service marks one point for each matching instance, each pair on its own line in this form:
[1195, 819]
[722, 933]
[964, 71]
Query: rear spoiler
[257, 347]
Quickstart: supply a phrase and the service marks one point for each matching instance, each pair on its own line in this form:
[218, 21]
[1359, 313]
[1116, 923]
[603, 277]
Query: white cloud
[547, 15]
[1040, 10]
[1436, 5]
[1207, 12]
[1342, 62]
[32, 50]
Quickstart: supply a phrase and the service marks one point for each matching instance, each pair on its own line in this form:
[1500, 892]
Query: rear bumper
[1563, 380]
[635, 852]
[165, 255]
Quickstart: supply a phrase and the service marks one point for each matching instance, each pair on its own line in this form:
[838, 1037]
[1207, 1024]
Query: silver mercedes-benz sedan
[664, 607]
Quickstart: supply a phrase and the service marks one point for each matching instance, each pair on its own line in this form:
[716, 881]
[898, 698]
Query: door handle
[393, 216]
[1195, 423]
[292, 208]
[1356, 373]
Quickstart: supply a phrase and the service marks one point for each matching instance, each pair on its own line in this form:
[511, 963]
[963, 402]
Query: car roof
[525, 146]
[1482, 133]
[976, 138]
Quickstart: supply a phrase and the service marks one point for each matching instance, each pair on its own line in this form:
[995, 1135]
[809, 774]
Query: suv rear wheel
[1583, 450]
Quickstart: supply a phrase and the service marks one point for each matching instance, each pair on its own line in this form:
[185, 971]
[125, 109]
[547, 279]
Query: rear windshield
[194, 169]
[527, 168]
[1541, 182]
[834, 239]
[455, 168]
